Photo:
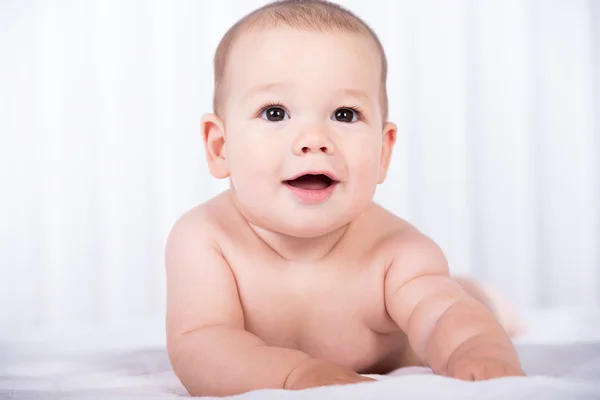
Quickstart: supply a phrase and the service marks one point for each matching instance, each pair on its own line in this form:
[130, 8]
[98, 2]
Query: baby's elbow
[189, 377]
[196, 374]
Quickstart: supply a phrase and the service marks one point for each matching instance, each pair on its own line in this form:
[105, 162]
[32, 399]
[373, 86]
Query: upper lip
[328, 174]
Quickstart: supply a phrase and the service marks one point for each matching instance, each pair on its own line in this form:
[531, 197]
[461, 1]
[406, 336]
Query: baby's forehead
[282, 57]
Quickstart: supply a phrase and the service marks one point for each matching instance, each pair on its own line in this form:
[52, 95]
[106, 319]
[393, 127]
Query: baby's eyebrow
[357, 93]
[350, 92]
[263, 88]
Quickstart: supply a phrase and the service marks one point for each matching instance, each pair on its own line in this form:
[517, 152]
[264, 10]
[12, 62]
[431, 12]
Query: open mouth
[311, 182]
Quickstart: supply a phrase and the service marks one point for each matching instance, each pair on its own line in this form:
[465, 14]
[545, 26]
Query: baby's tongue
[311, 182]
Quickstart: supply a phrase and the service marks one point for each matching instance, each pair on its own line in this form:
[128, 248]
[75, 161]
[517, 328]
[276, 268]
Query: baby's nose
[308, 149]
[313, 142]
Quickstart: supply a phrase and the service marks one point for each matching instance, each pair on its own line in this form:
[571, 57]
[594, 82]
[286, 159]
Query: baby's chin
[301, 225]
[306, 231]
[306, 226]
[307, 223]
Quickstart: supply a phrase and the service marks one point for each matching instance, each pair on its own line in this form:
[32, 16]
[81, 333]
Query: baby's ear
[213, 135]
[387, 145]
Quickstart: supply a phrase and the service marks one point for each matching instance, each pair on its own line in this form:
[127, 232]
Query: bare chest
[330, 311]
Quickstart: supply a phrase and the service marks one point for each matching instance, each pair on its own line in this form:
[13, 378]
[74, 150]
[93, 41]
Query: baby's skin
[294, 278]
[241, 317]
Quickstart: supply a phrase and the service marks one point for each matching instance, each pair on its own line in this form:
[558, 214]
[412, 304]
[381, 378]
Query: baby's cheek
[365, 168]
[246, 157]
[253, 175]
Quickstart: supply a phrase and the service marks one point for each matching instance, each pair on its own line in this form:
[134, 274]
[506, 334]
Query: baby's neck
[299, 249]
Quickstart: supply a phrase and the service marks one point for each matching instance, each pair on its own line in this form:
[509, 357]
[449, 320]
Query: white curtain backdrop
[498, 154]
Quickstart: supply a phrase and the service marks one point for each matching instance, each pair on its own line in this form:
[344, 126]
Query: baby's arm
[449, 330]
[209, 349]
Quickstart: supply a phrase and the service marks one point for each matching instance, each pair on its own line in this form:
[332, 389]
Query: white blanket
[131, 364]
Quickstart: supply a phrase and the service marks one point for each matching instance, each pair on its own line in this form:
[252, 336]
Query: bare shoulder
[198, 276]
[410, 253]
[202, 219]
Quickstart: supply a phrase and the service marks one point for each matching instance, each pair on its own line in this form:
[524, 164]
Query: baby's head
[300, 93]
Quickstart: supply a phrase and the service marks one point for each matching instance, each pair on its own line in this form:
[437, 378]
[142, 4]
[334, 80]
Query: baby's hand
[313, 373]
[480, 364]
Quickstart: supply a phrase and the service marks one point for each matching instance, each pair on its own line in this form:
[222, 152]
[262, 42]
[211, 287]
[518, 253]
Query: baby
[294, 278]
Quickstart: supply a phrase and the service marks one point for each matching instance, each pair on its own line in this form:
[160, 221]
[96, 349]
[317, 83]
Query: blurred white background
[498, 154]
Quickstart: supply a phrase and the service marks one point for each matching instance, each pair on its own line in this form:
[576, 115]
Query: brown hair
[314, 15]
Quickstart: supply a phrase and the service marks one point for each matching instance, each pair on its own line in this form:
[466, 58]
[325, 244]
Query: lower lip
[312, 196]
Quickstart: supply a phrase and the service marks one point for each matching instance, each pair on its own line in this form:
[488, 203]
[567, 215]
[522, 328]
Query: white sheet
[130, 362]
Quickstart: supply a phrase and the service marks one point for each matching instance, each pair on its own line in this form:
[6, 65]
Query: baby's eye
[345, 115]
[274, 114]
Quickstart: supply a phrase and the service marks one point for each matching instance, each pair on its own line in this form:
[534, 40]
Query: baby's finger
[464, 374]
